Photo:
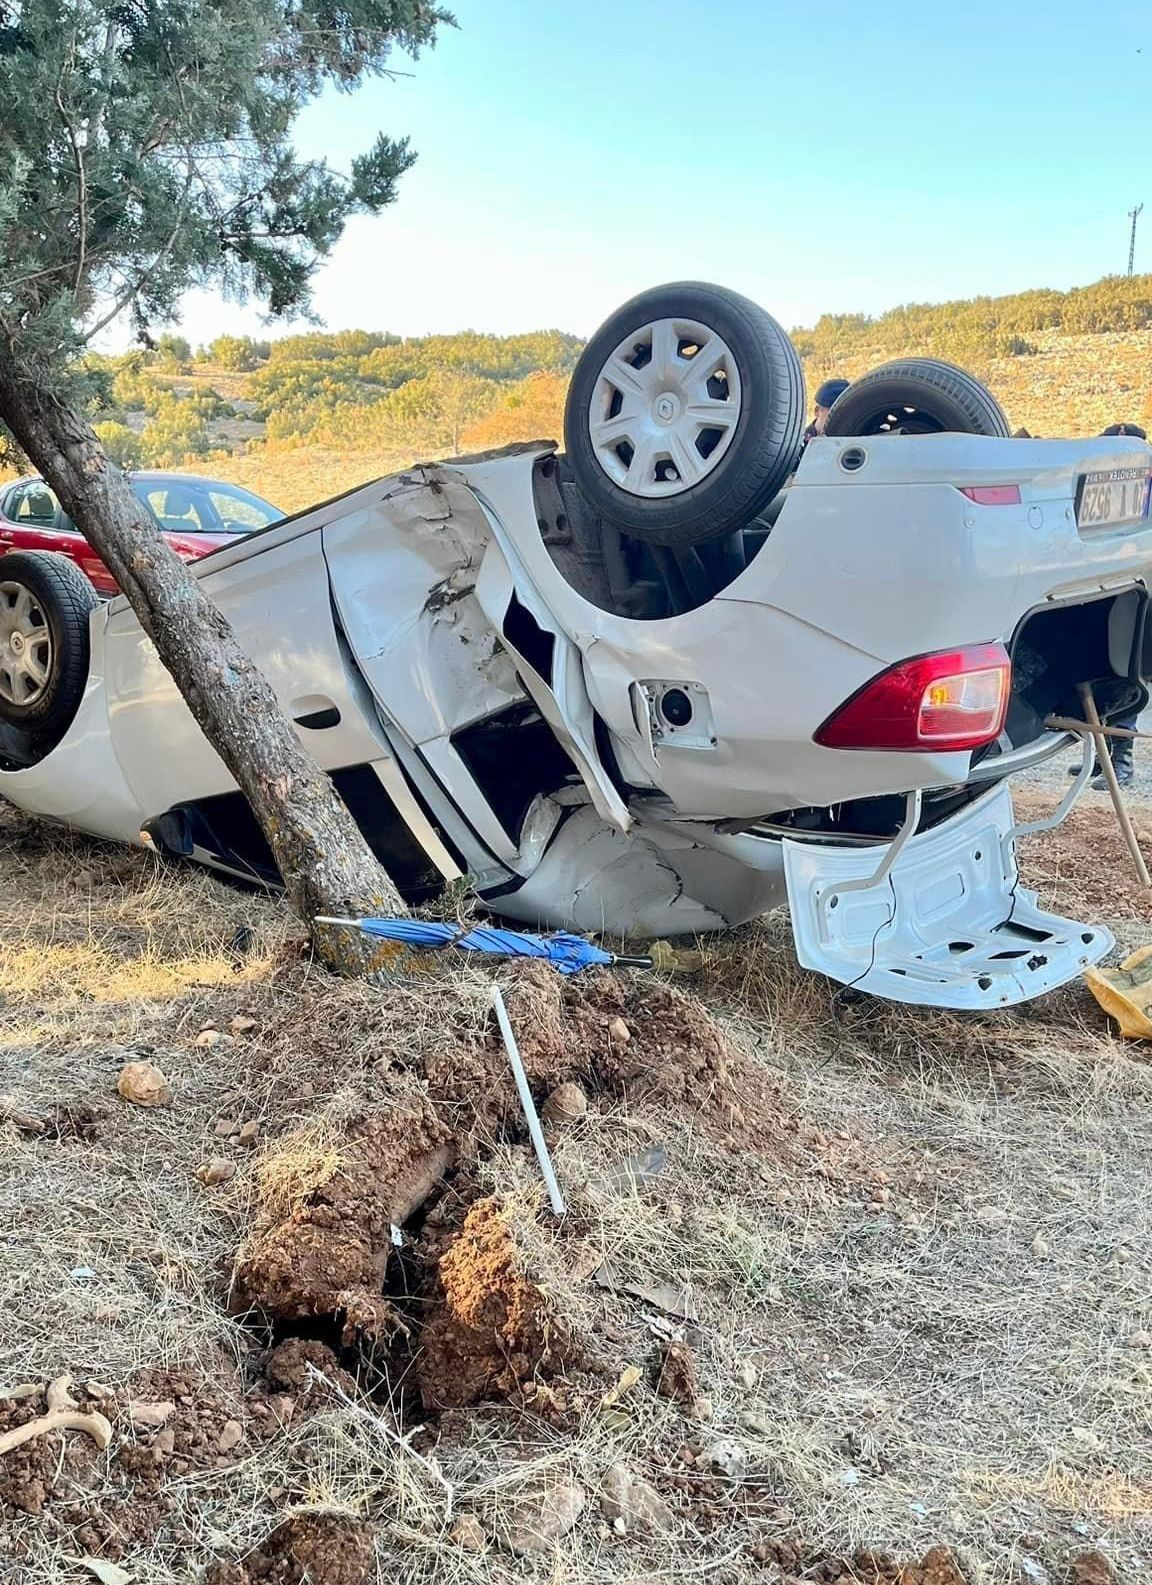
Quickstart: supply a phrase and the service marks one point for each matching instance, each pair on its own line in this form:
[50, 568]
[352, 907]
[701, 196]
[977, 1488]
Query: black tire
[917, 396]
[62, 595]
[765, 440]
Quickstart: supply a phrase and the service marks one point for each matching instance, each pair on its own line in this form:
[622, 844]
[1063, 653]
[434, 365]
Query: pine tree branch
[122, 302]
[81, 180]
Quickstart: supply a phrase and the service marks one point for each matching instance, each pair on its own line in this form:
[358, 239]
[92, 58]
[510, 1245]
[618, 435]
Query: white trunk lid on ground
[949, 926]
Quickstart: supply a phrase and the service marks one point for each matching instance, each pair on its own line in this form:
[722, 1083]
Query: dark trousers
[1120, 748]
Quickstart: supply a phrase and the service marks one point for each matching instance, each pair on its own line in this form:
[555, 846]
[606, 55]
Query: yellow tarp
[1125, 993]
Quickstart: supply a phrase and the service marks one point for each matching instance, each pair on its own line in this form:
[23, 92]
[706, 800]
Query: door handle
[315, 712]
[319, 720]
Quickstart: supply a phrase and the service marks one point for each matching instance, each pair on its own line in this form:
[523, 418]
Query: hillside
[306, 416]
[1059, 362]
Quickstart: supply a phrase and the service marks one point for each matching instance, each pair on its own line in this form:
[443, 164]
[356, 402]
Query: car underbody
[604, 733]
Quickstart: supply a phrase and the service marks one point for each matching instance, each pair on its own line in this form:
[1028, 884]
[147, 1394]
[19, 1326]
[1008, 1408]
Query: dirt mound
[330, 1255]
[628, 1034]
[308, 1549]
[468, 1312]
[489, 1328]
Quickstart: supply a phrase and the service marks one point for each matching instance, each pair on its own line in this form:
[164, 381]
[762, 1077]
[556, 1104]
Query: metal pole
[1108, 771]
[526, 1101]
[1133, 215]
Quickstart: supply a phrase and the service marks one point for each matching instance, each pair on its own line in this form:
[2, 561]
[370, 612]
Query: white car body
[396, 620]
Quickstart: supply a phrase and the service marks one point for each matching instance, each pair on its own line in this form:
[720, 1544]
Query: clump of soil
[166, 1425]
[308, 1549]
[629, 1034]
[288, 1367]
[489, 1327]
[202, 1428]
[63, 1120]
[797, 1562]
[73, 1120]
[213, 1423]
[676, 1374]
[329, 1256]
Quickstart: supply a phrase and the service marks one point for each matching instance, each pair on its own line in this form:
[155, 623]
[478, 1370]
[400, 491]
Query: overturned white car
[650, 686]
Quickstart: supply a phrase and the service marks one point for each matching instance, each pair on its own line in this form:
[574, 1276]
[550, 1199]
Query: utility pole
[1133, 215]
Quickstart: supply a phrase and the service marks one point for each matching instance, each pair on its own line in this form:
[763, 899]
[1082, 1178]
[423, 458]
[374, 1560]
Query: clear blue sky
[820, 158]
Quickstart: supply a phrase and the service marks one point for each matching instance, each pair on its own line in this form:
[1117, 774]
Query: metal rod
[1064, 809]
[912, 806]
[1067, 723]
[1108, 771]
[558, 1206]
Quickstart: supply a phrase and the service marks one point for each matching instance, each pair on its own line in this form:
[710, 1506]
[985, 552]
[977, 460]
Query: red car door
[31, 519]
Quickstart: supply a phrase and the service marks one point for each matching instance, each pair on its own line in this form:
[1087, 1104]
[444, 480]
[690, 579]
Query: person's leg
[1121, 748]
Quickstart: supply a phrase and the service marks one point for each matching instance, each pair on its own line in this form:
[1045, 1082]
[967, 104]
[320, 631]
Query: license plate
[1113, 497]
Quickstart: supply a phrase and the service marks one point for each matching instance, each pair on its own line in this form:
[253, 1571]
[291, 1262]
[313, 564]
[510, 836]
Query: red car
[196, 516]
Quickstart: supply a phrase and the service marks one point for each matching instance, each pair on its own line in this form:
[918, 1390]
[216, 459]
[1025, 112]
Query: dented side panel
[278, 603]
[403, 575]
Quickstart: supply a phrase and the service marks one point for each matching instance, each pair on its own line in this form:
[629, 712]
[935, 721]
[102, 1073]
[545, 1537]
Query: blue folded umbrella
[569, 954]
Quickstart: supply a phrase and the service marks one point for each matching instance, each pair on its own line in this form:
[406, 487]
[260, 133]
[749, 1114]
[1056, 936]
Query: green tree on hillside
[975, 330]
[177, 431]
[147, 148]
[234, 352]
[120, 443]
[430, 415]
[173, 353]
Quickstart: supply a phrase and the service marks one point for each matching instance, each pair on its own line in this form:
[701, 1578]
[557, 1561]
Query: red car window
[241, 513]
[178, 509]
[33, 505]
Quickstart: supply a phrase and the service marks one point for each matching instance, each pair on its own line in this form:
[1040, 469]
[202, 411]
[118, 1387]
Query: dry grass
[308, 1158]
[297, 477]
[916, 1324]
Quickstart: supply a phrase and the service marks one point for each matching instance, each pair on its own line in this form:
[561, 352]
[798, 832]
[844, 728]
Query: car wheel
[45, 602]
[684, 414]
[917, 396]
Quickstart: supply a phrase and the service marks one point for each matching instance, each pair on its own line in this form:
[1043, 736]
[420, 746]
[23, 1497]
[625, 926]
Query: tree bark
[325, 862]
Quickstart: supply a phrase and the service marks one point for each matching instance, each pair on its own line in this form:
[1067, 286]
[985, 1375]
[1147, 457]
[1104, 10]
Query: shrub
[122, 444]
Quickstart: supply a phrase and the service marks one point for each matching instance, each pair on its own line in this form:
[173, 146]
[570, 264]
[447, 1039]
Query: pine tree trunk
[321, 853]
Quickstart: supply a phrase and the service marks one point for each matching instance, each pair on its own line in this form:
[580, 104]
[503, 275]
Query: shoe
[1074, 770]
[1123, 769]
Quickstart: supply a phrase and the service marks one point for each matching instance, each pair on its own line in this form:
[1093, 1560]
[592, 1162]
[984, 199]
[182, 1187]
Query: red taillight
[993, 494]
[954, 700]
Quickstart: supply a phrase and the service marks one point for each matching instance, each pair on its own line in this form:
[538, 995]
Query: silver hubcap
[665, 408]
[25, 646]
